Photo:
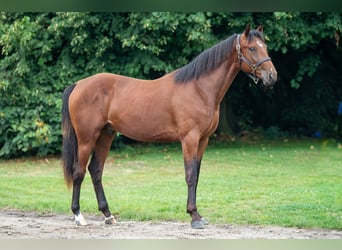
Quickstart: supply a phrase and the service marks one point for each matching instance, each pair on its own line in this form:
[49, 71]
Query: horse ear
[260, 28]
[247, 29]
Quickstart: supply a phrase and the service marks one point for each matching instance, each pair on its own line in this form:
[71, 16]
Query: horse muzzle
[269, 77]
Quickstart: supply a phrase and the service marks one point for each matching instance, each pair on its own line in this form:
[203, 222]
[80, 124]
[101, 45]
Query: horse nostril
[270, 76]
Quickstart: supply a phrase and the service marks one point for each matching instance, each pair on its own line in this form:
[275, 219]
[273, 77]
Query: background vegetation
[42, 53]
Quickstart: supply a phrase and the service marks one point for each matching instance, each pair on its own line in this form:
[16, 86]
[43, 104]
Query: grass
[292, 183]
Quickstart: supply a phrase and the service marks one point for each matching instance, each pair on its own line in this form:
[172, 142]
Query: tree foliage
[42, 53]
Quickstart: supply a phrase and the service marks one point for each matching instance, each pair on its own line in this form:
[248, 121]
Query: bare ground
[30, 225]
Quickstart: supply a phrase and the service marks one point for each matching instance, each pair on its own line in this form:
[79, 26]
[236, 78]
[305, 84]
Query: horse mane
[211, 58]
[205, 62]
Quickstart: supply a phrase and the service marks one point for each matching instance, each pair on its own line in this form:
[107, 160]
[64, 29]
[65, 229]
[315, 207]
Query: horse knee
[75, 208]
[78, 177]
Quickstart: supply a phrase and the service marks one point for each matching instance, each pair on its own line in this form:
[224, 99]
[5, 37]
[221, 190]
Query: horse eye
[252, 49]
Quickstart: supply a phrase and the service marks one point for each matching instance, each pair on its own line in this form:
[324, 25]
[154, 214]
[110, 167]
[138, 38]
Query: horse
[180, 106]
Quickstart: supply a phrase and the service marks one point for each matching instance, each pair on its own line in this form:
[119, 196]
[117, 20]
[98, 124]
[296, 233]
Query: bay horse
[180, 106]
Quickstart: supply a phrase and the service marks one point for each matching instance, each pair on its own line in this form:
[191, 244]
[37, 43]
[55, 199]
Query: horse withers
[180, 106]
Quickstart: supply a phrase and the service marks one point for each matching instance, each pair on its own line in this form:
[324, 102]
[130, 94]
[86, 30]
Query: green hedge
[42, 53]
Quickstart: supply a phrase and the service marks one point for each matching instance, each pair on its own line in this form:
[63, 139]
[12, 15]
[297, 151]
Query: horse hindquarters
[84, 131]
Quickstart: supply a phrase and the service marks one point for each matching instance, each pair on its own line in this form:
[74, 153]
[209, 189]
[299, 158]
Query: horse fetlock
[75, 208]
[103, 207]
[110, 220]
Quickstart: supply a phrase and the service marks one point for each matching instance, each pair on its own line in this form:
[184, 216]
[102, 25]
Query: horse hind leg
[96, 166]
[78, 176]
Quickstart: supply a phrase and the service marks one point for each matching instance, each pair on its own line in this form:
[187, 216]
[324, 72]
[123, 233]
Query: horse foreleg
[192, 168]
[96, 170]
[201, 148]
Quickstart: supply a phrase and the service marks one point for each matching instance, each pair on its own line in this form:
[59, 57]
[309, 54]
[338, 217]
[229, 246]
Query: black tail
[69, 151]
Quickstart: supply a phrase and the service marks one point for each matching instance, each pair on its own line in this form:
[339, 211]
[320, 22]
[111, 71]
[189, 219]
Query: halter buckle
[255, 80]
[253, 77]
[239, 51]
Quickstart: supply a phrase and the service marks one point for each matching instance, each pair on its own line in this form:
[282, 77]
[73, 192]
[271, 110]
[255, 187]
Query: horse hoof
[110, 220]
[80, 221]
[204, 221]
[197, 224]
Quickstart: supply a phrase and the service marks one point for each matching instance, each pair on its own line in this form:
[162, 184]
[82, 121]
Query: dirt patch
[29, 225]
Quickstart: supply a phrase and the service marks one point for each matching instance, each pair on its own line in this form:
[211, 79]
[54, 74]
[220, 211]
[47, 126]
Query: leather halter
[255, 66]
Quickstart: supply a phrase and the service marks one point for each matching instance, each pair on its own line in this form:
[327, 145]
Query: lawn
[293, 183]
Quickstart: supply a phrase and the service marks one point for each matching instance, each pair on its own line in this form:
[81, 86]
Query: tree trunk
[228, 123]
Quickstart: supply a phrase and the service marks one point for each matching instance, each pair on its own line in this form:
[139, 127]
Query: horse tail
[69, 147]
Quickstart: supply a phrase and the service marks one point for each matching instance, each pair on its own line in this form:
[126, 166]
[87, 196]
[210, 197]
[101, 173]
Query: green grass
[286, 183]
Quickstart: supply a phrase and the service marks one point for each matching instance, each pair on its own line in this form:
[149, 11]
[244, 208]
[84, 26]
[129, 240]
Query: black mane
[205, 62]
[211, 58]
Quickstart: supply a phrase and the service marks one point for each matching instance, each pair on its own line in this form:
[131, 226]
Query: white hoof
[79, 220]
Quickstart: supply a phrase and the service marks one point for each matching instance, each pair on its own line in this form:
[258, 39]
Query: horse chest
[213, 122]
[208, 123]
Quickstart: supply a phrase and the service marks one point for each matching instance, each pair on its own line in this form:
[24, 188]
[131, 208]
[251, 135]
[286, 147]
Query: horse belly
[145, 125]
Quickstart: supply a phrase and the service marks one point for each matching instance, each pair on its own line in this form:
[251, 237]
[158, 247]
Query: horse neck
[215, 84]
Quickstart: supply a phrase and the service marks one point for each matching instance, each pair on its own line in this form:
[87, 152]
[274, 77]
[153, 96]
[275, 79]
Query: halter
[254, 67]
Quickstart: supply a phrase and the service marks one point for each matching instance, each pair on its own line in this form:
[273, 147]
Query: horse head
[253, 56]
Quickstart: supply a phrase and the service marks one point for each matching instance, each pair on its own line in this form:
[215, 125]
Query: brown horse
[180, 106]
